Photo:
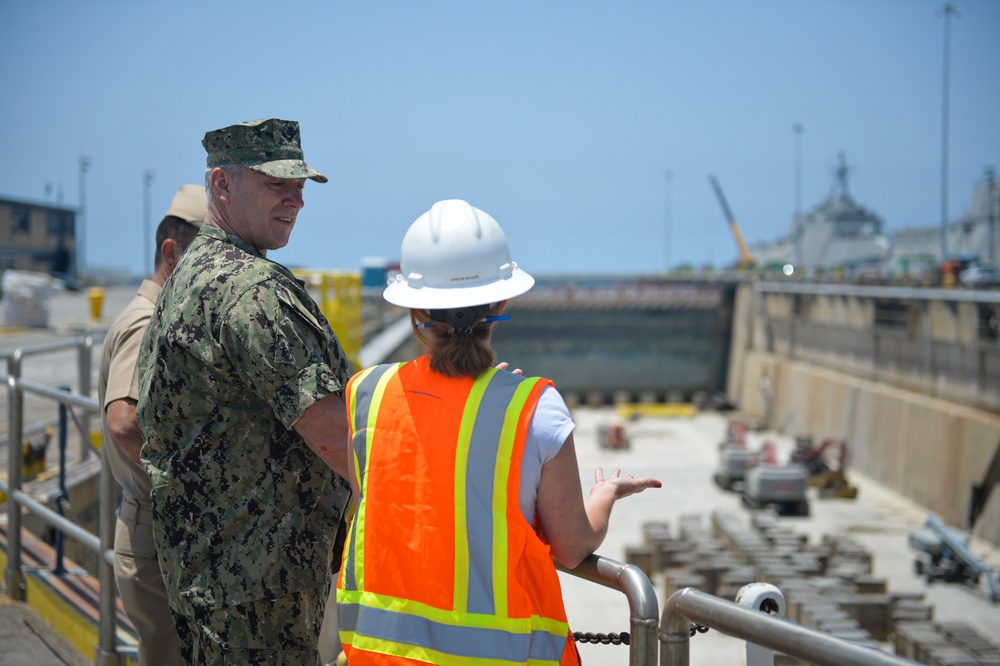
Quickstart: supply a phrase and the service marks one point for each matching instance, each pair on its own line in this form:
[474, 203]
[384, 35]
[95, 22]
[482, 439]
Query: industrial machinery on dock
[944, 555]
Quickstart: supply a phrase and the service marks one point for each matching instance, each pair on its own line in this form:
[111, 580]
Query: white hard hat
[455, 256]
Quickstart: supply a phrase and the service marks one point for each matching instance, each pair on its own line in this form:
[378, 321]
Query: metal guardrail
[760, 628]
[756, 618]
[881, 291]
[643, 607]
[84, 363]
[105, 652]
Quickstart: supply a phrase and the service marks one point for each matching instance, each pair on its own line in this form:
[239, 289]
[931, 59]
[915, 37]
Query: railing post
[643, 607]
[84, 361]
[14, 575]
[60, 539]
[675, 635]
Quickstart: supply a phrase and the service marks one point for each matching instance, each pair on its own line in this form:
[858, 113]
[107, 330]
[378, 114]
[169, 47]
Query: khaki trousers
[140, 585]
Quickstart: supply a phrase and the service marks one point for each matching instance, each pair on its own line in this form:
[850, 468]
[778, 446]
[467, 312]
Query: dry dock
[682, 452]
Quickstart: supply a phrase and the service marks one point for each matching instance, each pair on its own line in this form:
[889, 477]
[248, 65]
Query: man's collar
[220, 234]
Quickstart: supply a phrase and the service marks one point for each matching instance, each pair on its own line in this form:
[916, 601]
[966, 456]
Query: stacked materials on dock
[828, 586]
[944, 643]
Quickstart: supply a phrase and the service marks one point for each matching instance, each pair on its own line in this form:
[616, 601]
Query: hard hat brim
[401, 293]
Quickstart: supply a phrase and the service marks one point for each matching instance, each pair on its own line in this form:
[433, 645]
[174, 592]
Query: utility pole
[81, 248]
[797, 128]
[667, 219]
[147, 251]
[947, 12]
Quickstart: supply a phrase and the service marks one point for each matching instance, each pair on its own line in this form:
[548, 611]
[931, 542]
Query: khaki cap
[271, 147]
[189, 204]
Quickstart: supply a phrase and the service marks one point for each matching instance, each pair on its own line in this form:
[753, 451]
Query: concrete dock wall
[927, 448]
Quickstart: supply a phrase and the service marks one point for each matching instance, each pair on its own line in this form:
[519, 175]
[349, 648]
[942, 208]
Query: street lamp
[797, 128]
[947, 11]
[991, 213]
[147, 179]
[81, 250]
[667, 215]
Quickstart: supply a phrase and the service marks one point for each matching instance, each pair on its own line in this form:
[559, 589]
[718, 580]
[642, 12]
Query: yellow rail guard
[340, 301]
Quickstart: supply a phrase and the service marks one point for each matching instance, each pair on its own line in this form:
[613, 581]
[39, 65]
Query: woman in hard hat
[465, 475]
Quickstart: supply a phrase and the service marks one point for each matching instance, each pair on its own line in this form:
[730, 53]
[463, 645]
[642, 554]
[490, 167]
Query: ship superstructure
[837, 233]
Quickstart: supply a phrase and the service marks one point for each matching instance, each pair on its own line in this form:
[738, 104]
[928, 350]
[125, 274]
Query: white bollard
[765, 598]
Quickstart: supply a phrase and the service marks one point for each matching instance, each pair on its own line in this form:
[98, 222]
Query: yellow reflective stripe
[523, 625]
[501, 476]
[359, 517]
[420, 653]
[460, 601]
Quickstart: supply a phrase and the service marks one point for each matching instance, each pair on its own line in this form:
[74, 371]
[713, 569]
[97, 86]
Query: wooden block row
[945, 644]
[678, 579]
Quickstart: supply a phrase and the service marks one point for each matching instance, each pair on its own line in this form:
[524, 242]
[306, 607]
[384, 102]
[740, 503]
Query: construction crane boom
[746, 260]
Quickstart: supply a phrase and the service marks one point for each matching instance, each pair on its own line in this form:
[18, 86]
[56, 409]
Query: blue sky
[561, 119]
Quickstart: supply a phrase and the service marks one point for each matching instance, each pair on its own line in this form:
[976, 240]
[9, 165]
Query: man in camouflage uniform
[137, 571]
[240, 405]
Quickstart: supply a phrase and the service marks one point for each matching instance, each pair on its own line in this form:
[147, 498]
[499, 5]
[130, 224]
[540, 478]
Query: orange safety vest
[441, 566]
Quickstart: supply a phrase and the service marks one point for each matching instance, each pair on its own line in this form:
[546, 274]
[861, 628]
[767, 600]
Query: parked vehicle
[980, 275]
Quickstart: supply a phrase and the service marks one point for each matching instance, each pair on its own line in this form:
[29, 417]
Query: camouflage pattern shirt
[235, 352]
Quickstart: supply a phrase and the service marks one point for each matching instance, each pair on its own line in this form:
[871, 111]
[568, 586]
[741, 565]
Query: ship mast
[839, 188]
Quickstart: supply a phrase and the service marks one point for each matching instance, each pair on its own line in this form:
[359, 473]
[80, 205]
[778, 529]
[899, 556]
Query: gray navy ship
[837, 233]
[841, 234]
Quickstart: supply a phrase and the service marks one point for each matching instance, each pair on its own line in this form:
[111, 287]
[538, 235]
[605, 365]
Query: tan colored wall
[927, 449]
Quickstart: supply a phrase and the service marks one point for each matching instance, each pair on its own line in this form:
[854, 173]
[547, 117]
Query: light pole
[947, 11]
[667, 219]
[797, 128]
[991, 213]
[147, 179]
[81, 248]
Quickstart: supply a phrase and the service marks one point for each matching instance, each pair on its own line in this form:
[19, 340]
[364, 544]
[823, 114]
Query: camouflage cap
[271, 147]
[189, 204]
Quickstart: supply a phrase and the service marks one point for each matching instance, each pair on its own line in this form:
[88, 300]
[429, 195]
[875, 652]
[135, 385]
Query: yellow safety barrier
[627, 410]
[340, 301]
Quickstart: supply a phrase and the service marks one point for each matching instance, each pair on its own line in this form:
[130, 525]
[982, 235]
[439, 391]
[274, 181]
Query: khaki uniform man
[137, 572]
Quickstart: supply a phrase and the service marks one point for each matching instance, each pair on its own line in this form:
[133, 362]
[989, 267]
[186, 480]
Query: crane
[746, 260]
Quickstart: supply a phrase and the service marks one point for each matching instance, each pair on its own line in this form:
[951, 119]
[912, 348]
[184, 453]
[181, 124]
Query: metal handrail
[105, 652]
[773, 632]
[37, 350]
[643, 607]
[65, 525]
[875, 291]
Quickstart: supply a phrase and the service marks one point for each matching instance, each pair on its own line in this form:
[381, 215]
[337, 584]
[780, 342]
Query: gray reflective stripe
[461, 641]
[479, 479]
[364, 390]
